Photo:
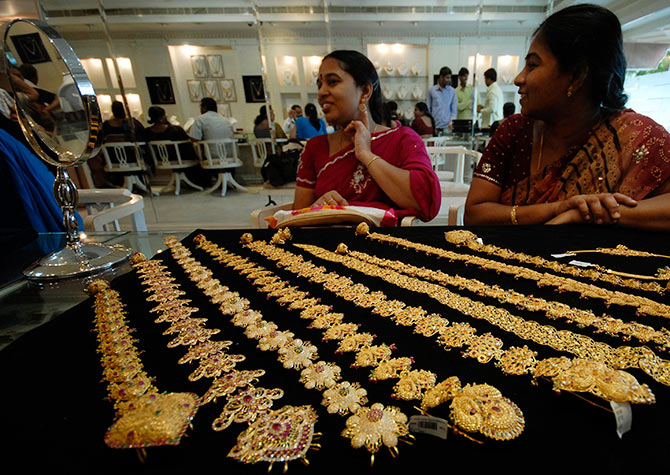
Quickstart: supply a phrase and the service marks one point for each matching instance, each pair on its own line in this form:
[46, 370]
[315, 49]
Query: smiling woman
[363, 163]
[574, 154]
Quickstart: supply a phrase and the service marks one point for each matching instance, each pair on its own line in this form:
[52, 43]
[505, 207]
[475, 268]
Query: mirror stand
[76, 258]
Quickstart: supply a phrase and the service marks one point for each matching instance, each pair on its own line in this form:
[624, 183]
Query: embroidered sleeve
[306, 176]
[498, 156]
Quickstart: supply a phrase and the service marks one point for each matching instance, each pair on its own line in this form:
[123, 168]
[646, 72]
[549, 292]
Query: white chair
[438, 157]
[126, 158]
[220, 155]
[166, 156]
[261, 147]
[106, 206]
[258, 216]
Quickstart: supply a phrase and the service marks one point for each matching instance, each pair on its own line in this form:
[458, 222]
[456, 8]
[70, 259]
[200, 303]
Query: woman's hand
[600, 208]
[330, 198]
[361, 138]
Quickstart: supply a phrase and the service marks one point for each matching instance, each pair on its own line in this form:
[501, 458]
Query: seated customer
[363, 163]
[119, 128]
[508, 111]
[161, 129]
[574, 154]
[423, 123]
[310, 125]
[262, 125]
[210, 125]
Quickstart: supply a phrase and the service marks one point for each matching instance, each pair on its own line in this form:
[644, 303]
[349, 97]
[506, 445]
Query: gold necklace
[539, 158]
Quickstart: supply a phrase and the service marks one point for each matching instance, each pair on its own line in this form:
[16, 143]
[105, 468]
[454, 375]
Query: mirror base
[76, 260]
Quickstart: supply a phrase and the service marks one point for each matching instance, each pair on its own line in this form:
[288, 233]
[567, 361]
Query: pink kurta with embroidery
[342, 172]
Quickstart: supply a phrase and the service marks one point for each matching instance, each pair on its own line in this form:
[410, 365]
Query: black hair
[463, 71]
[588, 38]
[491, 74]
[209, 104]
[296, 106]
[363, 72]
[423, 107]
[508, 109]
[311, 114]
[389, 113]
[156, 114]
[262, 115]
[445, 71]
[29, 72]
[118, 111]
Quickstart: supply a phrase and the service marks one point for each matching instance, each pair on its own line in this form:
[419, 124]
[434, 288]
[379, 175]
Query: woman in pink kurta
[363, 163]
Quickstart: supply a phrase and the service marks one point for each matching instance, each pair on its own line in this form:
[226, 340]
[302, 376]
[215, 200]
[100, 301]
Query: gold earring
[570, 91]
[362, 107]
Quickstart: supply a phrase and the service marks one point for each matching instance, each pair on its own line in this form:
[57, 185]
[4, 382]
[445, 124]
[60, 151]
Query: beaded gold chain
[144, 416]
[470, 240]
[642, 304]
[553, 309]
[500, 418]
[245, 403]
[581, 346]
[484, 348]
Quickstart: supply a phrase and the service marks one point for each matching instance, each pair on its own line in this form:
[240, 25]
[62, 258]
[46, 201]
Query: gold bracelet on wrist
[512, 215]
[367, 165]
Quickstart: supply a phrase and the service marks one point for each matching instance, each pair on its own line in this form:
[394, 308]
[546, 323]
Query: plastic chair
[438, 157]
[106, 206]
[166, 156]
[258, 216]
[220, 155]
[126, 158]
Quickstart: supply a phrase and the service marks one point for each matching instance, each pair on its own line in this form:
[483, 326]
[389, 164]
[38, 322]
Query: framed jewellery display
[228, 93]
[253, 88]
[215, 64]
[199, 65]
[195, 92]
[210, 88]
[73, 139]
[224, 110]
[30, 48]
[160, 90]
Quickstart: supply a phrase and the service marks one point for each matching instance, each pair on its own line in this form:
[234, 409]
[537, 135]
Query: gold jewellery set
[470, 240]
[474, 408]
[587, 374]
[286, 433]
[370, 427]
[144, 416]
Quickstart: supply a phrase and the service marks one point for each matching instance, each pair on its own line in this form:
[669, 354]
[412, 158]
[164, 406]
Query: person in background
[491, 110]
[574, 154]
[119, 128]
[423, 123]
[310, 125]
[47, 99]
[210, 125]
[464, 95]
[363, 163]
[390, 117]
[508, 110]
[293, 113]
[442, 102]
[262, 125]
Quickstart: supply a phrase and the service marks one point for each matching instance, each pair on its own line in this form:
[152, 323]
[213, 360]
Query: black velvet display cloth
[55, 412]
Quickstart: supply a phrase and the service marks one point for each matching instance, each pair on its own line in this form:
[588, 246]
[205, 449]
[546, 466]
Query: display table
[56, 413]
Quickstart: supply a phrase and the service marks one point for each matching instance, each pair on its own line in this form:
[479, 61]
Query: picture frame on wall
[160, 90]
[228, 93]
[194, 89]
[215, 65]
[199, 65]
[211, 89]
[253, 88]
[224, 110]
[30, 48]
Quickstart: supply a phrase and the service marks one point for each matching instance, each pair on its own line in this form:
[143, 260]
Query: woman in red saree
[574, 154]
[363, 163]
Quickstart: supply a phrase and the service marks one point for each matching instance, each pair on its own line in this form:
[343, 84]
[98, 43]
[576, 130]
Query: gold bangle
[371, 160]
[512, 215]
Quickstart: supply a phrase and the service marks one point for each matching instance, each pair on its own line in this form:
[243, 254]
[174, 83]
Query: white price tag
[567, 254]
[429, 425]
[624, 417]
[581, 263]
[480, 241]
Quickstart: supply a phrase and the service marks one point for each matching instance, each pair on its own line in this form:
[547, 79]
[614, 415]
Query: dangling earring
[570, 91]
[362, 107]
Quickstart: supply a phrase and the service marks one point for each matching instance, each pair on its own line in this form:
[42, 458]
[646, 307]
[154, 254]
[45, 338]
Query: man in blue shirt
[442, 102]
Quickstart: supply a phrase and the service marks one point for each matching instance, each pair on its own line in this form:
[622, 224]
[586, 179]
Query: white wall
[650, 95]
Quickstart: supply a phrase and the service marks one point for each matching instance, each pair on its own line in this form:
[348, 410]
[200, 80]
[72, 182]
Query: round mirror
[59, 115]
[58, 112]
